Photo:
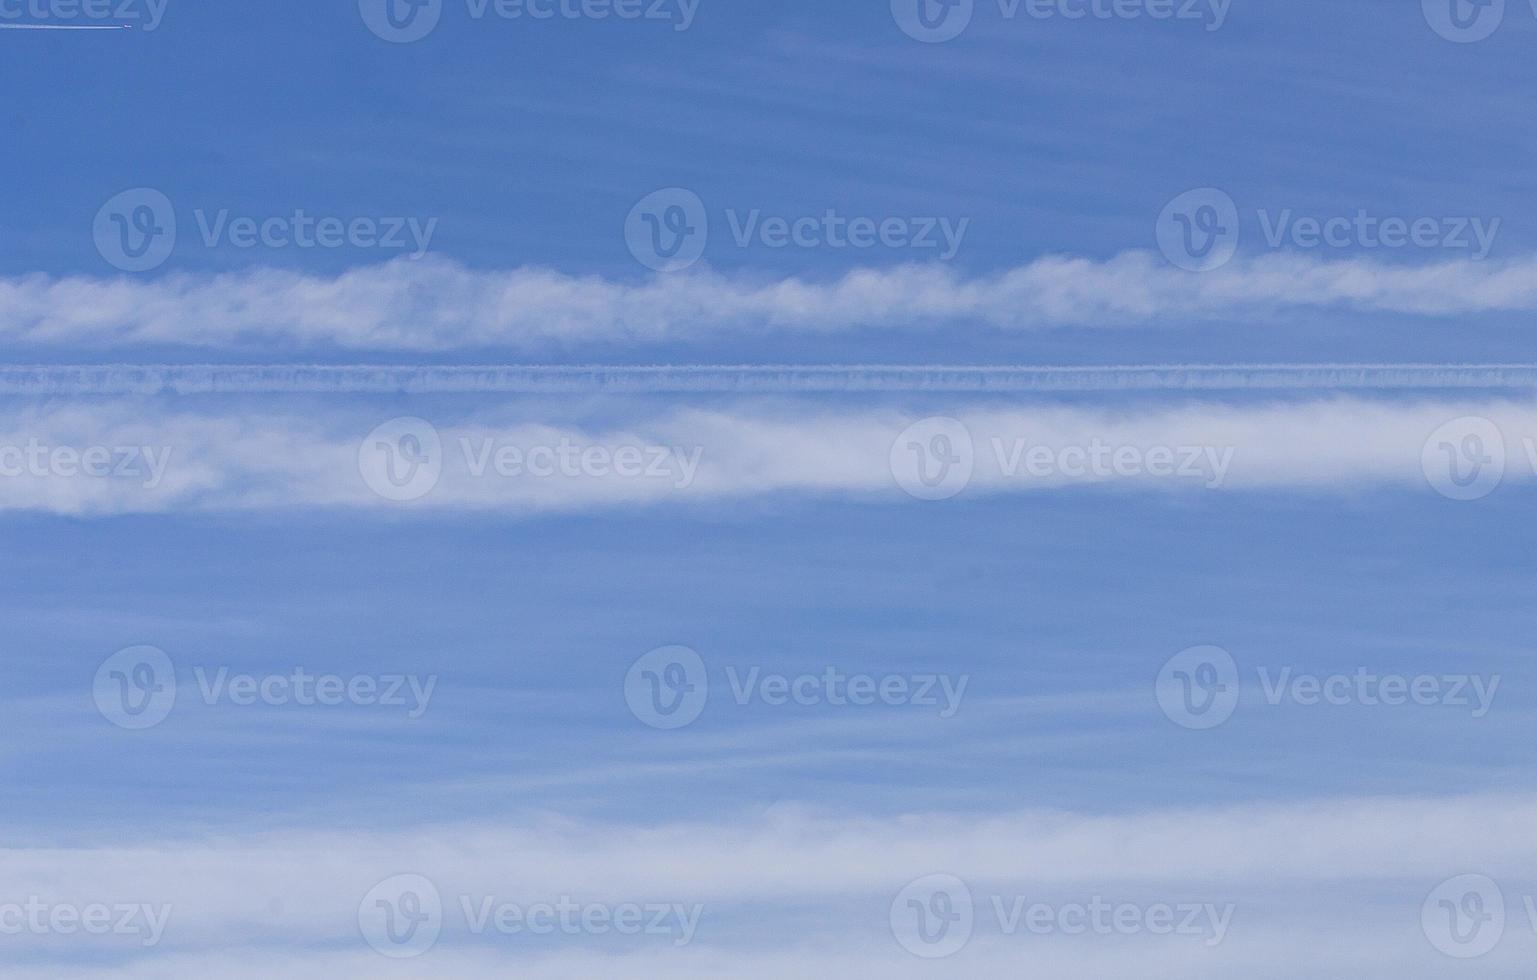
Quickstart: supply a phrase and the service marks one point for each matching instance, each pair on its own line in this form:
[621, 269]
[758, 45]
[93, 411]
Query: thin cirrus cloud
[1351, 875]
[436, 304]
[212, 456]
[1364, 951]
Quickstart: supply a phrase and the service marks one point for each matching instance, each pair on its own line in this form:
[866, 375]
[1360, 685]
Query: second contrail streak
[84, 379]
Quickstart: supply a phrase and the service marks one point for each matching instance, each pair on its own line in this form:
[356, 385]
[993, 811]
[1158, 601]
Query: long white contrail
[66, 27]
[125, 379]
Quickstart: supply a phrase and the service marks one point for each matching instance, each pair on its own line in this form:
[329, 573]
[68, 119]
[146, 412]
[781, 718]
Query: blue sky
[481, 567]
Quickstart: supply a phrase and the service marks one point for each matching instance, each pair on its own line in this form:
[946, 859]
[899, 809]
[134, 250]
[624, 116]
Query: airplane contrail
[66, 27]
[78, 379]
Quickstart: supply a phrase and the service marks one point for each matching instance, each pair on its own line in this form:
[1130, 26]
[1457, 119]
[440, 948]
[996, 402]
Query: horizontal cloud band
[795, 893]
[135, 456]
[437, 304]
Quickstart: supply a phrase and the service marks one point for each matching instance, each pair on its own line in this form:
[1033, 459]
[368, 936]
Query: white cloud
[436, 304]
[795, 893]
[498, 460]
[1314, 949]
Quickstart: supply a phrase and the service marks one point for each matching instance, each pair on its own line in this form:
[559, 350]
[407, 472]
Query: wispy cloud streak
[140, 379]
[437, 304]
[329, 456]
